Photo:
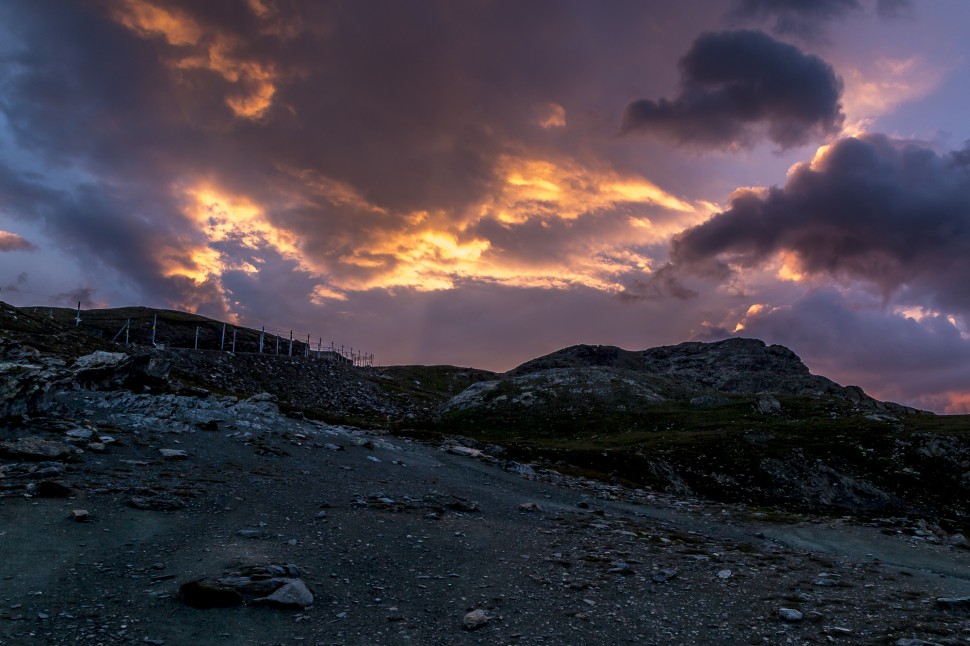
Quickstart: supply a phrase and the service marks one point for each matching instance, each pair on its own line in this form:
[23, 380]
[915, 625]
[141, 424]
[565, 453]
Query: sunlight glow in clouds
[538, 188]
[215, 52]
[432, 251]
[238, 219]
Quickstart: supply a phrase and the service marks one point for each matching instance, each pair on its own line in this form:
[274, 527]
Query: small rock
[725, 574]
[80, 515]
[530, 506]
[664, 575]
[156, 501]
[80, 433]
[321, 514]
[474, 619]
[97, 447]
[915, 642]
[251, 532]
[582, 504]
[156, 642]
[790, 614]
[767, 405]
[173, 454]
[621, 567]
[523, 470]
[293, 594]
[466, 451]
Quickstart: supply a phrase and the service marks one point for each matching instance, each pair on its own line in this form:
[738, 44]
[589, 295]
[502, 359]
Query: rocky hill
[705, 373]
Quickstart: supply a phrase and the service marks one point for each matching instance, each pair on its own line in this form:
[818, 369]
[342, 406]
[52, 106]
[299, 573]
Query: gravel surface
[404, 543]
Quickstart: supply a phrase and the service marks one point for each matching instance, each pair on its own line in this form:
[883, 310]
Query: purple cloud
[891, 213]
[737, 83]
[807, 18]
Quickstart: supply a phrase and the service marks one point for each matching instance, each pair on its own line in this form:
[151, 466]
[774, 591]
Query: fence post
[234, 339]
[261, 333]
[222, 341]
[77, 317]
[196, 337]
[127, 329]
[291, 343]
[154, 325]
[277, 344]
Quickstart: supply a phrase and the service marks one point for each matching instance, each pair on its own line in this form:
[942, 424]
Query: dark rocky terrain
[694, 494]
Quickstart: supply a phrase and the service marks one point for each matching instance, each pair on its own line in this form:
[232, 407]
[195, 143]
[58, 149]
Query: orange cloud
[151, 21]
[432, 251]
[201, 49]
[221, 217]
[435, 250]
[538, 188]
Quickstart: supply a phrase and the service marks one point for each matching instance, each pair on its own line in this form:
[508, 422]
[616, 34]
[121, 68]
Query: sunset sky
[481, 182]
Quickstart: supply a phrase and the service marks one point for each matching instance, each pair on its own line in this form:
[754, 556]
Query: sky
[479, 183]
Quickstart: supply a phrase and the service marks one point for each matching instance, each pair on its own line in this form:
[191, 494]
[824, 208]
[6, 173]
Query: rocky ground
[136, 508]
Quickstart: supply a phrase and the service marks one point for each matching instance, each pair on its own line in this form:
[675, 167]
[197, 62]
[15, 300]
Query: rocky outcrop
[30, 380]
[27, 380]
[555, 386]
[702, 373]
[819, 485]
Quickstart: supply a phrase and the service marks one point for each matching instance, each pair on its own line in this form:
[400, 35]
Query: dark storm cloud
[736, 83]
[807, 18]
[13, 242]
[891, 213]
[661, 284]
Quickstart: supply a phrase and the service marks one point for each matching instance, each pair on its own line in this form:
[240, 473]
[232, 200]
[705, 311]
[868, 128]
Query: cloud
[371, 164]
[193, 46]
[660, 284]
[739, 85]
[848, 337]
[885, 83]
[13, 242]
[891, 213]
[807, 18]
